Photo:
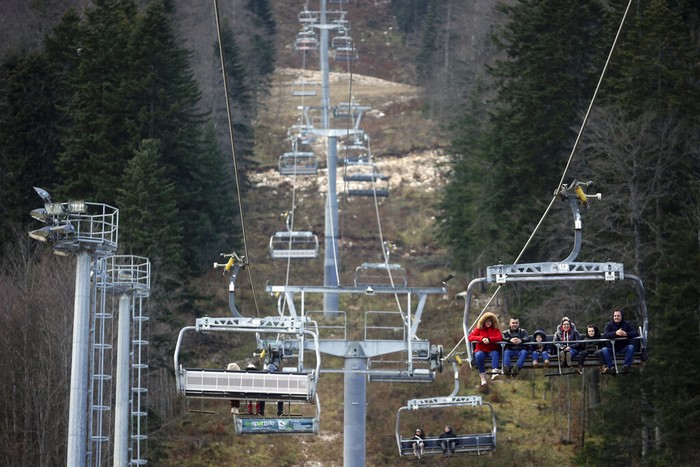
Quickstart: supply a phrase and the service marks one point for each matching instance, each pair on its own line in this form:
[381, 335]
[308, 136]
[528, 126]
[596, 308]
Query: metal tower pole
[331, 263]
[77, 417]
[355, 411]
[121, 408]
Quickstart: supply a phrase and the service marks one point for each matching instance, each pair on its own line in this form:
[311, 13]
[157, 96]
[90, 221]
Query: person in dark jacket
[418, 444]
[515, 336]
[487, 336]
[588, 346]
[448, 440]
[566, 335]
[622, 331]
[541, 349]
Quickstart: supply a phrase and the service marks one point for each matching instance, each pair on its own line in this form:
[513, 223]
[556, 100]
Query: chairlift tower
[88, 231]
[130, 278]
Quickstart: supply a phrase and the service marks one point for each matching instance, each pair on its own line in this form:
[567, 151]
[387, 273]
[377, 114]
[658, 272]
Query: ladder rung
[101, 408]
[139, 437]
[103, 346]
[102, 377]
[139, 413]
[141, 390]
[140, 318]
[140, 366]
[104, 315]
[139, 342]
[100, 438]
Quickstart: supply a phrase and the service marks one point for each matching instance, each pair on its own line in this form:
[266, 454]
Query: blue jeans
[536, 355]
[480, 357]
[522, 355]
[628, 350]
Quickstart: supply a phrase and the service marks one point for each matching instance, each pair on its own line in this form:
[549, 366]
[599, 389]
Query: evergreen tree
[261, 50]
[242, 102]
[150, 224]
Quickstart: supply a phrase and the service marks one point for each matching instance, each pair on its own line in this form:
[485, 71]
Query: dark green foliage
[410, 14]
[150, 224]
[261, 50]
[509, 165]
[242, 101]
[424, 60]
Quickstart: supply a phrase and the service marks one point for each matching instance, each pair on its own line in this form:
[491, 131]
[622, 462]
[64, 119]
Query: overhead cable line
[233, 151]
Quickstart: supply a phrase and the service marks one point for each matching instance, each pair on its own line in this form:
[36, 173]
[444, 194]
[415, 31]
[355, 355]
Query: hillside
[408, 148]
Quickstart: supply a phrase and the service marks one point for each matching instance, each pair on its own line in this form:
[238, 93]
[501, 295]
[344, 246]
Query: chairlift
[301, 134]
[380, 274]
[298, 163]
[424, 362]
[345, 54]
[472, 443]
[297, 385]
[342, 41]
[355, 153]
[308, 17]
[567, 270]
[306, 40]
[363, 180]
[303, 88]
[293, 243]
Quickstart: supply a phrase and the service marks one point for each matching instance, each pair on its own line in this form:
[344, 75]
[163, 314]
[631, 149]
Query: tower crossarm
[552, 271]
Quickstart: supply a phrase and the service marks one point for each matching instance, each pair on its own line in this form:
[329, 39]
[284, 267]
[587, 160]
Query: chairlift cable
[571, 155]
[233, 151]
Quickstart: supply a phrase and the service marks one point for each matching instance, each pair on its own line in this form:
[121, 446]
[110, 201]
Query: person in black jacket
[515, 336]
[622, 331]
[588, 346]
[418, 444]
[448, 440]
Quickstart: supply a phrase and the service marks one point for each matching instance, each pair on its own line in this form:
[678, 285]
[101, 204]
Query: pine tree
[150, 223]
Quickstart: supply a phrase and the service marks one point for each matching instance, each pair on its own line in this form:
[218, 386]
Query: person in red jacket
[487, 335]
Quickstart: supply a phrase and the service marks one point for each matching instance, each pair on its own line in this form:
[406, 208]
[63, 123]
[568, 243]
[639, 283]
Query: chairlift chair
[472, 443]
[293, 244]
[380, 274]
[302, 134]
[308, 17]
[566, 270]
[303, 88]
[298, 163]
[345, 54]
[306, 40]
[215, 383]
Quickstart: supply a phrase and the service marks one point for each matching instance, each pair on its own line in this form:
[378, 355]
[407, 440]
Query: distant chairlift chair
[293, 243]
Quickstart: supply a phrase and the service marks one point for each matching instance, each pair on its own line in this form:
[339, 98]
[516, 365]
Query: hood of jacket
[486, 316]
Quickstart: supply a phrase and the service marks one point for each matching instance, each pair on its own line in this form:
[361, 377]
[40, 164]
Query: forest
[109, 108]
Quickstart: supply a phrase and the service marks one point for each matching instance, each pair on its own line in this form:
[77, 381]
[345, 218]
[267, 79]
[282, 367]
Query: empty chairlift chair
[298, 163]
[345, 54]
[380, 275]
[293, 243]
[367, 183]
[303, 88]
